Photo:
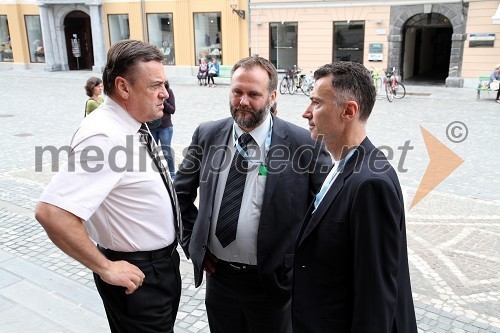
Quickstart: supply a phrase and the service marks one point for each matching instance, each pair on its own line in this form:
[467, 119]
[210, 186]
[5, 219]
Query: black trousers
[236, 303]
[152, 308]
[211, 77]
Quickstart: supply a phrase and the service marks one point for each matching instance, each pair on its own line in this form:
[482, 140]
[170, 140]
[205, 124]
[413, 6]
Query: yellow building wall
[17, 29]
[234, 30]
[481, 60]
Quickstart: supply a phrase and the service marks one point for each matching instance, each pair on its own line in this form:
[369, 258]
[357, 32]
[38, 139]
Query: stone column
[454, 78]
[51, 64]
[98, 43]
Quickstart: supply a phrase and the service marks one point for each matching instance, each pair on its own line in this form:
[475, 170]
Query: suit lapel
[331, 195]
[217, 149]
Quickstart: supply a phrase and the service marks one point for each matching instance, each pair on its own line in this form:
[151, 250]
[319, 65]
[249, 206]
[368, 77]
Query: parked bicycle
[293, 81]
[377, 78]
[393, 88]
[286, 82]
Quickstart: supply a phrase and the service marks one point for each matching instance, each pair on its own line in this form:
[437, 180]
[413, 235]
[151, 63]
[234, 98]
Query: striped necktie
[159, 161]
[227, 222]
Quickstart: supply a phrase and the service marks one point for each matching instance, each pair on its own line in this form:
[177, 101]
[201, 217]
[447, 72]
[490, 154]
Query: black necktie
[154, 152]
[227, 222]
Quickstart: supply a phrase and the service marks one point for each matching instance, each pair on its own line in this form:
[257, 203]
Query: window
[348, 41]
[5, 47]
[283, 44]
[160, 33]
[207, 41]
[118, 27]
[35, 40]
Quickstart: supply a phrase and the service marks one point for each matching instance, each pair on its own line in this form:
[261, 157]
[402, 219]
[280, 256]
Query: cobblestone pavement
[453, 233]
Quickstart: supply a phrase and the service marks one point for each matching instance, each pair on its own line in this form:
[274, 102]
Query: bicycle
[301, 81]
[286, 82]
[393, 88]
[377, 78]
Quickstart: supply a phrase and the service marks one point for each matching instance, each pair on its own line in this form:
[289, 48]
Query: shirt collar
[131, 124]
[259, 133]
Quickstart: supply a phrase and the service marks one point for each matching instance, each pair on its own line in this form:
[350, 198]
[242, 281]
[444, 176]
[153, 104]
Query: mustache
[243, 108]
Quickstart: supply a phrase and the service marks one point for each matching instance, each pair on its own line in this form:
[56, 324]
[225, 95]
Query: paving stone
[452, 232]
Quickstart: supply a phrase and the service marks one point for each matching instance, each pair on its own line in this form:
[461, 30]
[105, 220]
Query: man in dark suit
[351, 263]
[249, 274]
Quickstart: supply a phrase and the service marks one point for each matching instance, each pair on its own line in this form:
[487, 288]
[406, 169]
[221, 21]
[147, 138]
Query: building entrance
[78, 36]
[426, 48]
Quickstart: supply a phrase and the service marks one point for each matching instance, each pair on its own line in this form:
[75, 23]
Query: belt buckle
[235, 267]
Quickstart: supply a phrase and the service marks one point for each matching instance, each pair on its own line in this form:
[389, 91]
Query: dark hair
[123, 58]
[352, 81]
[273, 107]
[251, 62]
[92, 82]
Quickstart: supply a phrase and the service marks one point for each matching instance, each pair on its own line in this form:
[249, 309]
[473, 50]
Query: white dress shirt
[244, 248]
[110, 183]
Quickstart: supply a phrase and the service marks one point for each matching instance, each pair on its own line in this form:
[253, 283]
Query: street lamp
[239, 12]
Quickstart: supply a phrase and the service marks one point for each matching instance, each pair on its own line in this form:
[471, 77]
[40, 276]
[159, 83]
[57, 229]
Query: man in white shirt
[110, 192]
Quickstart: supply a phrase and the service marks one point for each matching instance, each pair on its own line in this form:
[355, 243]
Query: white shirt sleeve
[94, 167]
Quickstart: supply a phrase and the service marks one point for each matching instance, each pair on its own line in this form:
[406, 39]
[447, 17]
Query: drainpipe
[249, 29]
[143, 14]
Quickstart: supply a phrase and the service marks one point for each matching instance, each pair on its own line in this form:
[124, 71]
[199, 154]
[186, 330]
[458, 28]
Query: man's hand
[124, 274]
[209, 263]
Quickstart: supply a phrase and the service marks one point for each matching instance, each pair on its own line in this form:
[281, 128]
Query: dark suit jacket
[293, 179]
[351, 264]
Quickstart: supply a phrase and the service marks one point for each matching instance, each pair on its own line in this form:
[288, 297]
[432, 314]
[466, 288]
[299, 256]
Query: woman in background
[93, 89]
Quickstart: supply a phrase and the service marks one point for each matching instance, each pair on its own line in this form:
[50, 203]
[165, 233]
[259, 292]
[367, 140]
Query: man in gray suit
[244, 231]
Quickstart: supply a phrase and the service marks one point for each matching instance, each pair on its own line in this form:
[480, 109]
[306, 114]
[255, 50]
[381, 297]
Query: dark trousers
[152, 308]
[236, 303]
[211, 77]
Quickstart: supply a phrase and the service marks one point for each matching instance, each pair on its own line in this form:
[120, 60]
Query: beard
[247, 117]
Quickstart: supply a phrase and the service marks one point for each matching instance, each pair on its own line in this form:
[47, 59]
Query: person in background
[213, 71]
[495, 78]
[165, 130]
[351, 270]
[118, 199]
[93, 89]
[243, 230]
[202, 72]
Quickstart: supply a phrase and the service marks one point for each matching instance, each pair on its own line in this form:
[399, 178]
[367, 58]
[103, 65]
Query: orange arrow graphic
[442, 162]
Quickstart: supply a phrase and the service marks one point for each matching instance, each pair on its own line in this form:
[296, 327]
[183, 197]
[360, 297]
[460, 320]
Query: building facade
[61, 35]
[451, 41]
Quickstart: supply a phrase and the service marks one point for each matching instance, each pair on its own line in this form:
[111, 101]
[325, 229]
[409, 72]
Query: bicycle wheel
[399, 90]
[388, 92]
[307, 86]
[292, 88]
[378, 84]
[284, 85]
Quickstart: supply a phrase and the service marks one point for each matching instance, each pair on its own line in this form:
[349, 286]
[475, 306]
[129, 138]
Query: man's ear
[122, 87]
[351, 110]
[273, 97]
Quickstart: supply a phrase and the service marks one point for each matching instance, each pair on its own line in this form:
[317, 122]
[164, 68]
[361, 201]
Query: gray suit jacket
[296, 170]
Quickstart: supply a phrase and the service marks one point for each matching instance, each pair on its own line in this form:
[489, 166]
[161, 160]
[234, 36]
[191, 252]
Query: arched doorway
[400, 15]
[426, 48]
[77, 25]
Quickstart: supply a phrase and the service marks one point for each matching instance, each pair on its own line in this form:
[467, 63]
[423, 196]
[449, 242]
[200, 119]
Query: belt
[139, 255]
[236, 266]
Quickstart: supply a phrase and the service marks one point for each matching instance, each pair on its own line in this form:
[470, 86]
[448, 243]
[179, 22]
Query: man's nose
[307, 113]
[244, 100]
